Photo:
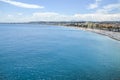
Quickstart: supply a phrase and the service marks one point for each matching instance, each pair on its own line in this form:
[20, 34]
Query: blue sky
[59, 10]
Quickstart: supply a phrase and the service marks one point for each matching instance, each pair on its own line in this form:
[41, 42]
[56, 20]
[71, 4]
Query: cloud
[94, 5]
[9, 15]
[98, 17]
[52, 16]
[20, 14]
[45, 14]
[109, 8]
[20, 4]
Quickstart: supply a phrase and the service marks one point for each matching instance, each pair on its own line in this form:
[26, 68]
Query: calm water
[37, 52]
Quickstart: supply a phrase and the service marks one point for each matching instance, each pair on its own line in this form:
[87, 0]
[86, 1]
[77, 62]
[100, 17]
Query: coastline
[110, 34]
[113, 35]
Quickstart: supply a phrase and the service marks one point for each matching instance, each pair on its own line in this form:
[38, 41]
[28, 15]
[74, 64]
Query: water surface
[42, 52]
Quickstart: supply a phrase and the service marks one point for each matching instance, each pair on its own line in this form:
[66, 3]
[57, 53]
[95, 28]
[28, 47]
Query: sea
[48, 52]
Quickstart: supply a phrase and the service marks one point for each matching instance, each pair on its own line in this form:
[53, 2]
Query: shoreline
[110, 34]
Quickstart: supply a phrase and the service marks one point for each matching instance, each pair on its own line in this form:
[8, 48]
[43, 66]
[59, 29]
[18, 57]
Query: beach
[111, 34]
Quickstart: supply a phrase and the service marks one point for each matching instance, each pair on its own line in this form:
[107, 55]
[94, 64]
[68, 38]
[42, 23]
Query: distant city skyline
[56, 10]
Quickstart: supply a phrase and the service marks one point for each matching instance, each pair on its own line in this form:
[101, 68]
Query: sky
[59, 10]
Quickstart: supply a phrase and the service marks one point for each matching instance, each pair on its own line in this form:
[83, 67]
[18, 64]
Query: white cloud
[108, 8]
[20, 4]
[52, 16]
[94, 5]
[9, 15]
[98, 17]
[19, 14]
[45, 14]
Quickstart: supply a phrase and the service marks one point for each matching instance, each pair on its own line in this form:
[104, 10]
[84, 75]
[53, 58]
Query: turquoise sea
[43, 52]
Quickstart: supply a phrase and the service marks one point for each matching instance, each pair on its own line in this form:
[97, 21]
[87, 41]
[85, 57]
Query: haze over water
[43, 52]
